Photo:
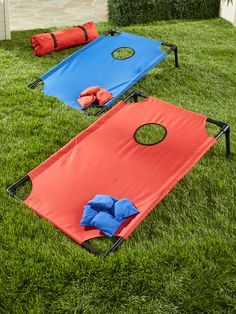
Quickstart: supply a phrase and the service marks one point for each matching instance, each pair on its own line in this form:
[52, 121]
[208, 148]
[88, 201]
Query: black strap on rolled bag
[54, 39]
[85, 32]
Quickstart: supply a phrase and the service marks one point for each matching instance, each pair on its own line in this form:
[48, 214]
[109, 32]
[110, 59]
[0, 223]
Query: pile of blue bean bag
[107, 213]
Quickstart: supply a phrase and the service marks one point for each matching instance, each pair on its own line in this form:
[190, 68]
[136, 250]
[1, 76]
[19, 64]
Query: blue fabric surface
[94, 65]
[102, 201]
[107, 213]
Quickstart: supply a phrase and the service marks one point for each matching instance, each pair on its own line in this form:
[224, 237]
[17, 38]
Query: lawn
[182, 258]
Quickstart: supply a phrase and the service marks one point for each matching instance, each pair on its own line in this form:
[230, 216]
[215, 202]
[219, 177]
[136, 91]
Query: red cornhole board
[106, 159]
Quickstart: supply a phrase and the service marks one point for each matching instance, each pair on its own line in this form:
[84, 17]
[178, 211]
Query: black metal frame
[12, 188]
[34, 83]
[224, 130]
[87, 246]
[112, 32]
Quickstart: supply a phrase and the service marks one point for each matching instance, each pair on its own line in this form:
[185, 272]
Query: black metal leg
[227, 140]
[135, 97]
[90, 249]
[114, 246]
[176, 56]
[173, 48]
[224, 130]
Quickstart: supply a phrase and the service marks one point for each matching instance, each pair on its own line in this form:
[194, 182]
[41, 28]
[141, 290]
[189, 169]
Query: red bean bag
[53, 41]
[94, 94]
[86, 101]
[102, 96]
[90, 91]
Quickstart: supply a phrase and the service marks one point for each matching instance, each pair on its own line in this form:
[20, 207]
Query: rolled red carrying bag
[54, 41]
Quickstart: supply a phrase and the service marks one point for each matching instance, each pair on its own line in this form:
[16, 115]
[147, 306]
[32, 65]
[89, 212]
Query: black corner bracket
[135, 94]
[86, 245]
[111, 32]
[12, 188]
[33, 84]
[97, 113]
[224, 130]
[173, 48]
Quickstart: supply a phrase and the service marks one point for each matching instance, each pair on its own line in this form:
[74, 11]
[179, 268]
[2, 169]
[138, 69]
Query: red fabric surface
[106, 159]
[43, 43]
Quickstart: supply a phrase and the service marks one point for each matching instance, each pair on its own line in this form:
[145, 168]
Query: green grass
[150, 134]
[182, 258]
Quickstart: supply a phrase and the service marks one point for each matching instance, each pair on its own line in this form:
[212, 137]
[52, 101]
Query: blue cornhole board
[94, 65]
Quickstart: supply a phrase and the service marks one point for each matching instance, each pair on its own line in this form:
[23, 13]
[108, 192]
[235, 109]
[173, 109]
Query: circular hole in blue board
[123, 53]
